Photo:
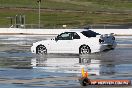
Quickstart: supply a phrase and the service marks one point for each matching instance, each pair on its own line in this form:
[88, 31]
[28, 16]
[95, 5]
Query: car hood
[40, 42]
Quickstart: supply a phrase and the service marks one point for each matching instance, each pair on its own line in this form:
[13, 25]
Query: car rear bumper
[108, 46]
[103, 47]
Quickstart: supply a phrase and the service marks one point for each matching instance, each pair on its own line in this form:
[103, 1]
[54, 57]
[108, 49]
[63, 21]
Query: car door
[68, 42]
[75, 43]
[63, 42]
[59, 44]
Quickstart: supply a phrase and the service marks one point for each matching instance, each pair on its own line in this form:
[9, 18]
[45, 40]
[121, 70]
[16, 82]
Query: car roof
[78, 30]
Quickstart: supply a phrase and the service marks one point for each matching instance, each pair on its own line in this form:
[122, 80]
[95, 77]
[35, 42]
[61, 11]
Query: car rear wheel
[84, 49]
[41, 50]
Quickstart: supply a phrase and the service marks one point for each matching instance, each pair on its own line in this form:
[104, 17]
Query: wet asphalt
[19, 68]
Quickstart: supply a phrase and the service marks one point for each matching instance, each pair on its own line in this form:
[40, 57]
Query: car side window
[65, 36]
[76, 36]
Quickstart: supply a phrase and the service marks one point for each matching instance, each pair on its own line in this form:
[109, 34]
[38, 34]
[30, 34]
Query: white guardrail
[57, 31]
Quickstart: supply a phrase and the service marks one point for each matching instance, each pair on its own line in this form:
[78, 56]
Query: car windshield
[90, 33]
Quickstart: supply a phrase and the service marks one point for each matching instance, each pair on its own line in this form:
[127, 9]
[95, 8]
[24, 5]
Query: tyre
[41, 50]
[84, 49]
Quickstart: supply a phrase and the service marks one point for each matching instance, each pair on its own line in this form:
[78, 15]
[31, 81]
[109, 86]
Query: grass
[71, 4]
[45, 4]
[74, 13]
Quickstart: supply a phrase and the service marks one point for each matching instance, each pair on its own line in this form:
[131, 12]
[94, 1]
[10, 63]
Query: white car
[81, 41]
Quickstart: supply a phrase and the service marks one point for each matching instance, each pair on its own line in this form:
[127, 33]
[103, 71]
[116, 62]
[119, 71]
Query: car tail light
[113, 38]
[101, 40]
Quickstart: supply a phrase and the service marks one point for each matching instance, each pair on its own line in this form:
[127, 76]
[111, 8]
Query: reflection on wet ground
[21, 69]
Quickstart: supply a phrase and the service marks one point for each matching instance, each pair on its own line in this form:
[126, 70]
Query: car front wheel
[41, 50]
[84, 49]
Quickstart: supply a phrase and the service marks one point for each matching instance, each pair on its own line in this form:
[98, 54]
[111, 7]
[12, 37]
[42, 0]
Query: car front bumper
[33, 49]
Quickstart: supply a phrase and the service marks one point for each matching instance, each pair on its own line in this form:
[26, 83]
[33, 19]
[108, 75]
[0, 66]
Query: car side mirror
[56, 39]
